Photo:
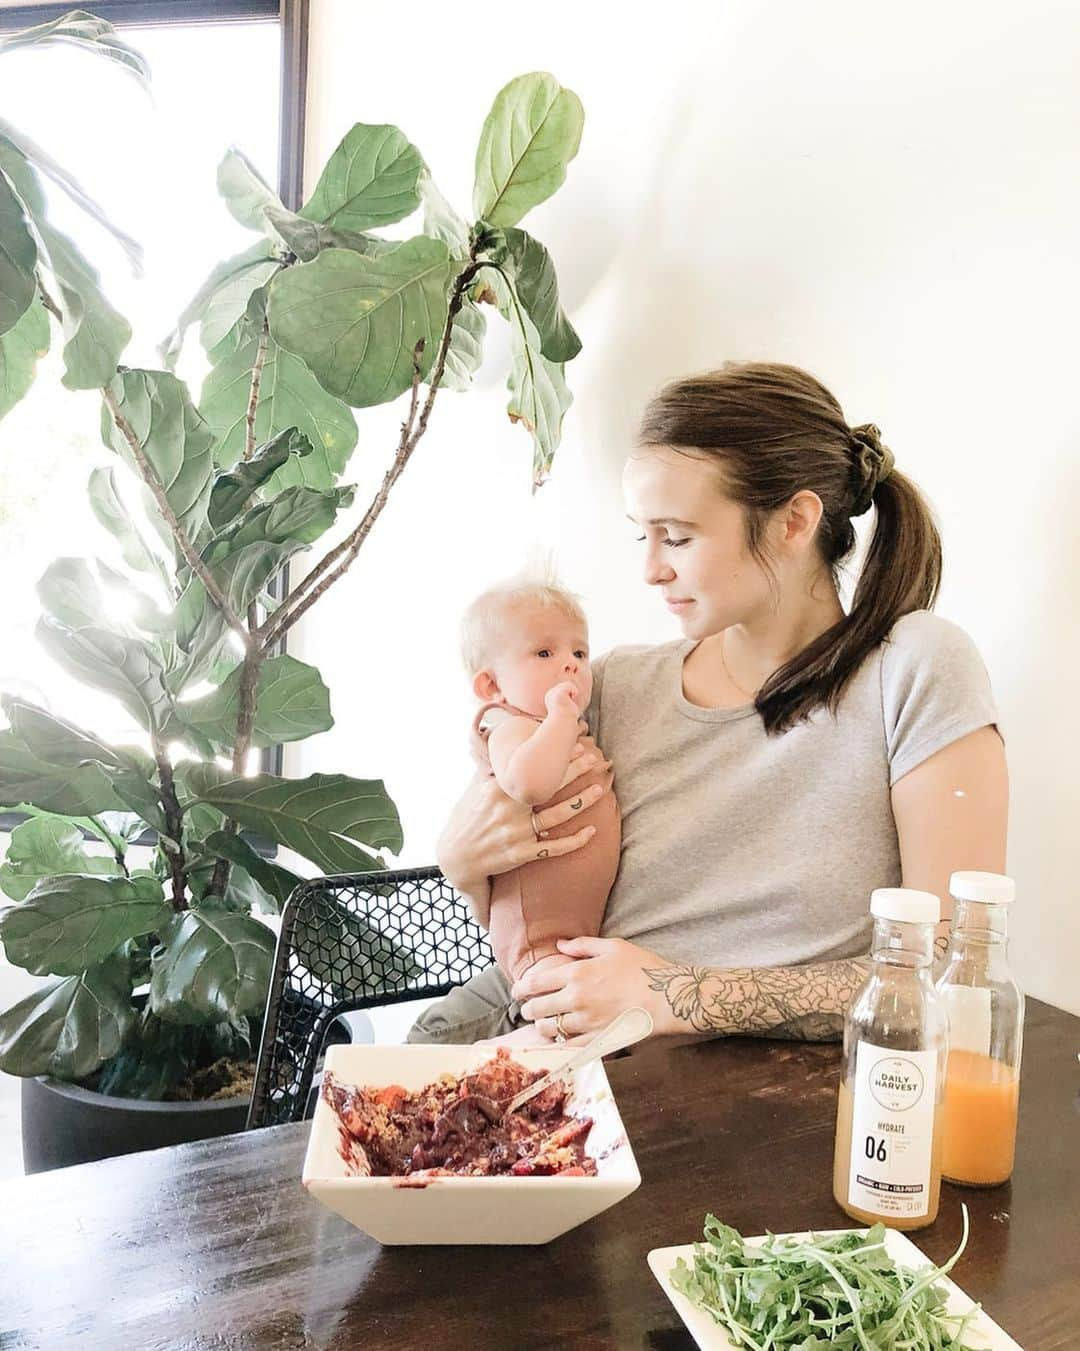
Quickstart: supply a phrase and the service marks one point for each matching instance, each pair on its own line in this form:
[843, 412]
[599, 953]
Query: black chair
[351, 942]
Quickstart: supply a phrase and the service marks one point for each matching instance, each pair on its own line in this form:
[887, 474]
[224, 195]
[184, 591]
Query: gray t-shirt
[742, 849]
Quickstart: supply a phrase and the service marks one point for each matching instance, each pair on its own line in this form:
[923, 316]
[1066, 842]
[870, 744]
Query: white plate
[982, 1333]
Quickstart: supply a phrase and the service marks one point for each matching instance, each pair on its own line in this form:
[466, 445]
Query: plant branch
[245, 727]
[196, 564]
[174, 820]
[321, 578]
[256, 381]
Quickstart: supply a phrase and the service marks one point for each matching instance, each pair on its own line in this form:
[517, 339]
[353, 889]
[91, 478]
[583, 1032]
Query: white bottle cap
[990, 888]
[905, 906]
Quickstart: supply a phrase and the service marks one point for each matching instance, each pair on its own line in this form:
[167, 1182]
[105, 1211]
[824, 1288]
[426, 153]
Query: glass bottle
[986, 1015]
[887, 1163]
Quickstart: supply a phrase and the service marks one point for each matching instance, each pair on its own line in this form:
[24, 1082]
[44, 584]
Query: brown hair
[777, 431]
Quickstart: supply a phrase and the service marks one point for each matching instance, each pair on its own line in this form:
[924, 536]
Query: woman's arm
[799, 1003]
[803, 1003]
[951, 813]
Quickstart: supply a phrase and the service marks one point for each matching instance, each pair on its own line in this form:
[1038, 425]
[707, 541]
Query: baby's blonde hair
[480, 622]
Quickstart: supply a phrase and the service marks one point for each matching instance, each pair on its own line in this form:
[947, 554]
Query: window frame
[293, 16]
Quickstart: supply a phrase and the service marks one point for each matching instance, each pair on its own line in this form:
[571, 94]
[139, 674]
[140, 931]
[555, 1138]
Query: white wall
[885, 195]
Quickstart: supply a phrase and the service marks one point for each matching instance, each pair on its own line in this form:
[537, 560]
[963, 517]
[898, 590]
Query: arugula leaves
[837, 1290]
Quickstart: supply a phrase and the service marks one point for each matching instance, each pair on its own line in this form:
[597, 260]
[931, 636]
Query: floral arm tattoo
[796, 1003]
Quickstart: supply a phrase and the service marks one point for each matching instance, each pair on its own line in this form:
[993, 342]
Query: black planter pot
[64, 1124]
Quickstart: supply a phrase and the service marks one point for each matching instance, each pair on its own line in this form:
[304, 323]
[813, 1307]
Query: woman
[780, 761]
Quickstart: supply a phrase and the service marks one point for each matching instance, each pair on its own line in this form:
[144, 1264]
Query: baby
[526, 647]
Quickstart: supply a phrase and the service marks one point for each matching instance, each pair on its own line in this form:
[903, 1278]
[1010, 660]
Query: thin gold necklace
[751, 698]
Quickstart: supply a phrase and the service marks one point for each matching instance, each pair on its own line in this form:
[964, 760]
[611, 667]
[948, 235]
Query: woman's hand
[608, 976]
[488, 833]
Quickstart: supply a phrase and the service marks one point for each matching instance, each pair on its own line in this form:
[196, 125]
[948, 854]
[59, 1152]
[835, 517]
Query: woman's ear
[800, 519]
[486, 687]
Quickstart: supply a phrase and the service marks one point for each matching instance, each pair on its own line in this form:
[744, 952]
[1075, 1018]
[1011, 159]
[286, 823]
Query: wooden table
[216, 1247]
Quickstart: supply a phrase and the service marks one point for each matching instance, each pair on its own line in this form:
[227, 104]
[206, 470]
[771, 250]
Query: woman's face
[695, 542]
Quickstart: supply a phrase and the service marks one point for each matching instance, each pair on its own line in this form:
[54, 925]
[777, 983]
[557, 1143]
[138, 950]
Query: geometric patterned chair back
[353, 942]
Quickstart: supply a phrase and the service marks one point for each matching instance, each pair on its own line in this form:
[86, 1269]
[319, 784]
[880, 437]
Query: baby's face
[541, 647]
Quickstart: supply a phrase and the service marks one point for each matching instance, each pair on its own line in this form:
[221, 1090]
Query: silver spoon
[631, 1025]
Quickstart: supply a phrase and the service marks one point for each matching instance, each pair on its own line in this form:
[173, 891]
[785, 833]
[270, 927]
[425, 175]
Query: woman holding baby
[773, 765]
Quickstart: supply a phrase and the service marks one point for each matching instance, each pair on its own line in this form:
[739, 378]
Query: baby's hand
[562, 698]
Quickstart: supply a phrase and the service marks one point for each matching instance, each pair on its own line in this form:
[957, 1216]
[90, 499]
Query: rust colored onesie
[552, 898]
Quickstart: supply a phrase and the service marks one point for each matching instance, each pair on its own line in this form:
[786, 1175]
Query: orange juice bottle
[887, 1160]
[986, 1016]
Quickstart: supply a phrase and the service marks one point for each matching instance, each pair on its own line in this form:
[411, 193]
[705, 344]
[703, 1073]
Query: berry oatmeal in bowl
[413, 1144]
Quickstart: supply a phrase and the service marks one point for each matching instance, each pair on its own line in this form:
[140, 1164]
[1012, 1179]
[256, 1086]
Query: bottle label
[892, 1131]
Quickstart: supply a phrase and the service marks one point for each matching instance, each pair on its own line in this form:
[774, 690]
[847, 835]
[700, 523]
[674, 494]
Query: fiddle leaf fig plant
[156, 970]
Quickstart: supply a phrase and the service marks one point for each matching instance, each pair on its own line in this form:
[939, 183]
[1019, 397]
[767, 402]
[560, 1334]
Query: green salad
[837, 1290]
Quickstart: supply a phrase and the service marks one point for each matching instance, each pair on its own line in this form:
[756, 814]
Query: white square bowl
[467, 1209]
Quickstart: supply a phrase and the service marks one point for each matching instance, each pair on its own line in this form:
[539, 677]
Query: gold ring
[560, 1031]
[540, 834]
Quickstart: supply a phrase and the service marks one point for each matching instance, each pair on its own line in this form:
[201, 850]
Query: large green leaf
[320, 817]
[69, 1027]
[27, 780]
[172, 435]
[291, 703]
[136, 612]
[45, 163]
[21, 348]
[43, 847]
[109, 507]
[70, 591]
[356, 321]
[278, 883]
[125, 667]
[289, 397]
[18, 258]
[213, 964]
[94, 334]
[222, 298]
[57, 741]
[79, 29]
[371, 179]
[138, 790]
[308, 238]
[230, 302]
[243, 895]
[466, 351]
[232, 491]
[298, 513]
[531, 134]
[244, 189]
[70, 923]
[538, 291]
[539, 396]
[441, 221]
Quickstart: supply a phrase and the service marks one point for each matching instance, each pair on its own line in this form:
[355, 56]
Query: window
[223, 74]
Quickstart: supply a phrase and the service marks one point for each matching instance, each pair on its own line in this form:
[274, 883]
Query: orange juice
[981, 1099]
